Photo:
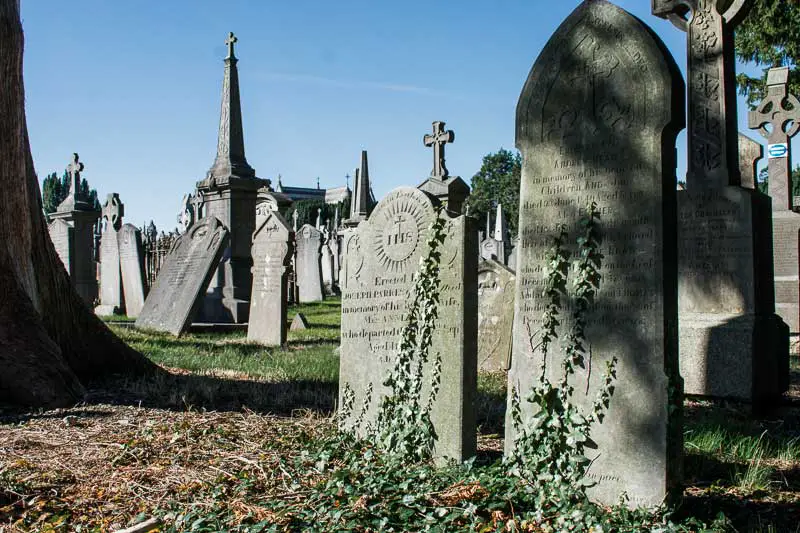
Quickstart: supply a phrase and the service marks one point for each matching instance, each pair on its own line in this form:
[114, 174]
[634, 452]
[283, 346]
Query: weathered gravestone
[778, 119]
[111, 300]
[327, 266]
[381, 258]
[597, 122]
[131, 261]
[496, 284]
[308, 264]
[177, 294]
[272, 252]
[750, 153]
[72, 233]
[732, 345]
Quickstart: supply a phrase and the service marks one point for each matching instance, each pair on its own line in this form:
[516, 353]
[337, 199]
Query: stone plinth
[732, 345]
[72, 233]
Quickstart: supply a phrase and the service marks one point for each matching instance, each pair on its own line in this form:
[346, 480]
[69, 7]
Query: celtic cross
[778, 119]
[113, 211]
[712, 128]
[197, 201]
[230, 41]
[437, 140]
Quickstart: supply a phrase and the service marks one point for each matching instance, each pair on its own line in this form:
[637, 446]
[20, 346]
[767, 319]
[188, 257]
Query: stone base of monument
[738, 357]
[786, 241]
[219, 310]
[107, 310]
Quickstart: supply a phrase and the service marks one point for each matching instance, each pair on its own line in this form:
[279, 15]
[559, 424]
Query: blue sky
[134, 87]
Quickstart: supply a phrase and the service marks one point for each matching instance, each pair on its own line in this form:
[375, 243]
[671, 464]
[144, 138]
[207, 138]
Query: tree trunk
[50, 342]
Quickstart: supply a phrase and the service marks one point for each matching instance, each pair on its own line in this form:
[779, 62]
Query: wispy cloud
[349, 84]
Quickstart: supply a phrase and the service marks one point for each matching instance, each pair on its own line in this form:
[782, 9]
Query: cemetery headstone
[381, 258]
[778, 120]
[597, 122]
[732, 345]
[496, 285]
[299, 322]
[177, 294]
[750, 153]
[309, 264]
[327, 268]
[111, 299]
[272, 252]
[75, 245]
[131, 260]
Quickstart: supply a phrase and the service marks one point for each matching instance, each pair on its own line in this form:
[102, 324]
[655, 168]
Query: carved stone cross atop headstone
[113, 211]
[198, 201]
[230, 41]
[712, 129]
[74, 169]
[437, 140]
[778, 119]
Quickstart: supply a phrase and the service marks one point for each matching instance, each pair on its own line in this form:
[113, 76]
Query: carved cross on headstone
[113, 211]
[778, 119]
[712, 128]
[74, 169]
[437, 140]
[230, 41]
[294, 219]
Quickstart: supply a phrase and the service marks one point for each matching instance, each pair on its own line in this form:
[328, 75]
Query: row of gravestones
[121, 260]
[597, 123]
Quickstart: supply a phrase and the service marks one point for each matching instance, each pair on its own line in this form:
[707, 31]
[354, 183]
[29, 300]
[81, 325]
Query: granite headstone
[496, 285]
[131, 260]
[381, 258]
[177, 294]
[596, 122]
[308, 263]
[272, 252]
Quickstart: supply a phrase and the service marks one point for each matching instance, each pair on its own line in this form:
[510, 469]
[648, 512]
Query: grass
[211, 430]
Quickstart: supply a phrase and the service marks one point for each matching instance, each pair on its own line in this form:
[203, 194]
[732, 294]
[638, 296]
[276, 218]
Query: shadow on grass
[191, 391]
[743, 514]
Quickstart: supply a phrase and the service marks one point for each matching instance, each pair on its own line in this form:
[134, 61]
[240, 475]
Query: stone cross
[113, 211]
[294, 219]
[437, 140]
[230, 41]
[74, 169]
[347, 180]
[712, 129]
[778, 119]
[197, 201]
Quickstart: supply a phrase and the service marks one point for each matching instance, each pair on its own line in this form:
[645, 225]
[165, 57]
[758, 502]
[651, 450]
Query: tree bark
[50, 342]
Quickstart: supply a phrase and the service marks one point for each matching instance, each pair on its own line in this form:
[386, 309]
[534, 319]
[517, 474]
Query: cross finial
[437, 140]
[230, 41]
[75, 168]
[347, 180]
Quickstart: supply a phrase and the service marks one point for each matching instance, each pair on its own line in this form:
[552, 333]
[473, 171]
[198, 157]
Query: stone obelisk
[230, 191]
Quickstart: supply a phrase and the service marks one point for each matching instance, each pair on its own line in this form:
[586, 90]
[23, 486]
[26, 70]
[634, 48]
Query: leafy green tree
[54, 190]
[768, 37]
[497, 182]
[307, 211]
